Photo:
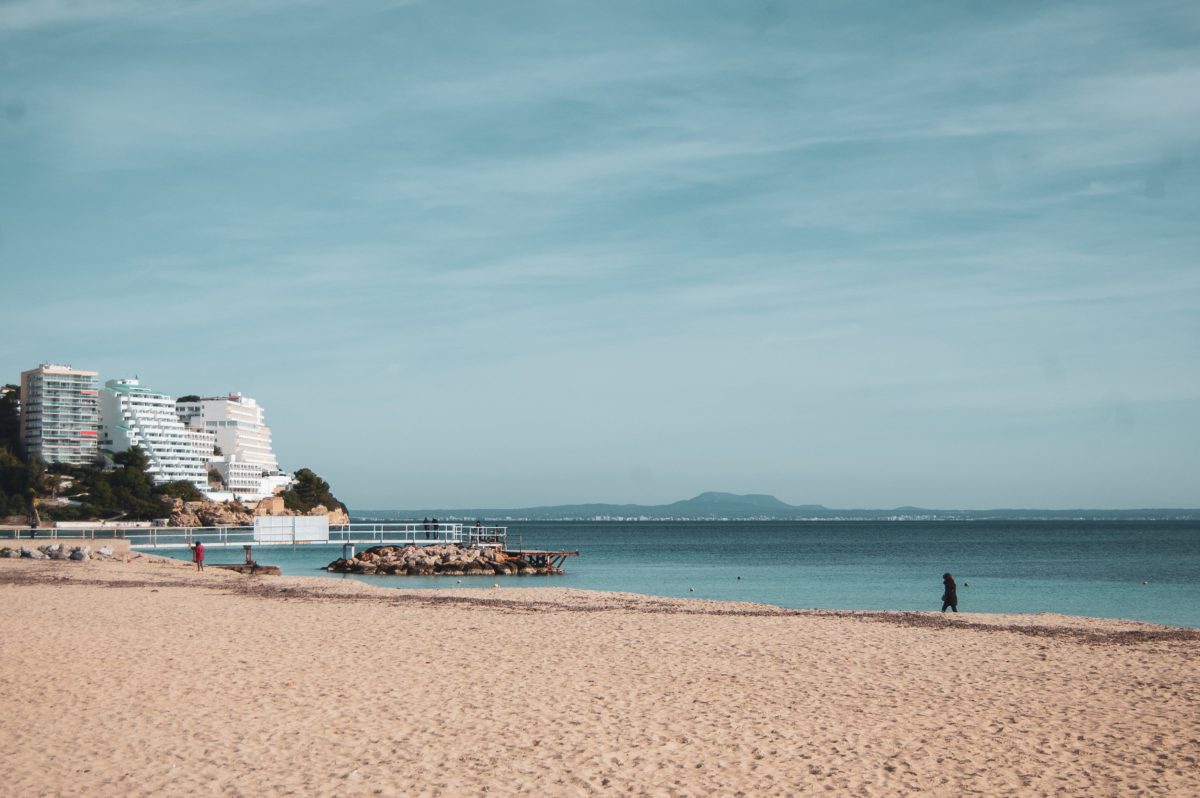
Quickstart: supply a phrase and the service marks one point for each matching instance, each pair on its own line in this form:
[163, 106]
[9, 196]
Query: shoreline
[166, 680]
[513, 595]
[546, 582]
[1080, 570]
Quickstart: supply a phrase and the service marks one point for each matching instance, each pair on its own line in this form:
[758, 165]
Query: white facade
[132, 415]
[248, 481]
[248, 464]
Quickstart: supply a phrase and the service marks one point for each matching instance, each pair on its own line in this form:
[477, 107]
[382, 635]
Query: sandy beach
[150, 679]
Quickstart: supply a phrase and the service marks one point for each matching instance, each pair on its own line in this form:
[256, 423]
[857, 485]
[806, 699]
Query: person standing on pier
[198, 555]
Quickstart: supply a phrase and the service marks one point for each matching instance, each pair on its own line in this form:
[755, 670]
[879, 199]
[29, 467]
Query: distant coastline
[716, 506]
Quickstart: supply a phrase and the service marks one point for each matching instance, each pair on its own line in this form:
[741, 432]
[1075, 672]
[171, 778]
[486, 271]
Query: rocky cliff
[234, 513]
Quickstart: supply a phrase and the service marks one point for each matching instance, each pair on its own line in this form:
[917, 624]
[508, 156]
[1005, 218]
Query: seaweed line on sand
[257, 588]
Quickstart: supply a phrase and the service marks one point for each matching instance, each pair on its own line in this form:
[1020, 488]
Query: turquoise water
[1073, 567]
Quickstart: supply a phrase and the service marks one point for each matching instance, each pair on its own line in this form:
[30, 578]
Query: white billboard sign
[291, 529]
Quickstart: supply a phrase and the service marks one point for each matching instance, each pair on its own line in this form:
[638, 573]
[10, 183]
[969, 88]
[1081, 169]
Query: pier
[275, 531]
[272, 531]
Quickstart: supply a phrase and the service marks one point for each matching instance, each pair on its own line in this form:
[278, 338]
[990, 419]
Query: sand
[148, 678]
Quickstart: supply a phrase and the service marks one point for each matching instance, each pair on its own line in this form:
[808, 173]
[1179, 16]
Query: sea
[1137, 570]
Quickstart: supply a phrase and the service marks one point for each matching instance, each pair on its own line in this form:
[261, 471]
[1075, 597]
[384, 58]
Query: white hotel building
[132, 415]
[248, 464]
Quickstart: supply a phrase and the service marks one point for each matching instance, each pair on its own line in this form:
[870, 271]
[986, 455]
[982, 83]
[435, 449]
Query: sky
[479, 254]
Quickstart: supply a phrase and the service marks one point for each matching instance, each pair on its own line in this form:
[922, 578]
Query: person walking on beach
[198, 555]
[949, 593]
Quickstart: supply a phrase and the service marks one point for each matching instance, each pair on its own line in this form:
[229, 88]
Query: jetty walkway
[294, 531]
[275, 531]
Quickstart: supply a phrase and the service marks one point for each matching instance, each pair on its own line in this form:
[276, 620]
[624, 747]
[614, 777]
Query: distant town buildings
[59, 414]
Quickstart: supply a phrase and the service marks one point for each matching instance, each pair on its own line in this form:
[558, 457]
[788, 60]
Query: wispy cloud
[23, 16]
[132, 119]
[821, 227]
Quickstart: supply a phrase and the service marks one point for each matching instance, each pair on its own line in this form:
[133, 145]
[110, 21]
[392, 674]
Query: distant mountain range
[756, 506]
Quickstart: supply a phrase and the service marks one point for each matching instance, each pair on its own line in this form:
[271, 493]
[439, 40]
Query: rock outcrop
[234, 513]
[275, 506]
[206, 513]
[445, 560]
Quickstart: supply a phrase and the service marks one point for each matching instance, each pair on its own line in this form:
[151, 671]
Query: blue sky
[505, 254]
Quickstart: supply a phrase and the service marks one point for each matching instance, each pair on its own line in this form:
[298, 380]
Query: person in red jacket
[198, 555]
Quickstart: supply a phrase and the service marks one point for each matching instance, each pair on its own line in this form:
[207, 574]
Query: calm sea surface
[1142, 570]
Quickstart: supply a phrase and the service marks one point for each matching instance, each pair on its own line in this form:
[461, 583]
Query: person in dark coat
[949, 593]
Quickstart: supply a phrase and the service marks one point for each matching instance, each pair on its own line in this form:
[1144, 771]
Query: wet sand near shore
[150, 678]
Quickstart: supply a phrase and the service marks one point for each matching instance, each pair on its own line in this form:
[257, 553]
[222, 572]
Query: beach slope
[149, 678]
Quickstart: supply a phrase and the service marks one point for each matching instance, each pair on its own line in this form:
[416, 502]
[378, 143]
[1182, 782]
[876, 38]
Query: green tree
[132, 486]
[133, 458]
[15, 476]
[181, 489]
[17, 483]
[309, 491]
[21, 483]
[100, 499]
[10, 420]
[126, 491]
[215, 478]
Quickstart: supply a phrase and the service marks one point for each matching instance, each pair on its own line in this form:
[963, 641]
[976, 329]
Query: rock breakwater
[58, 551]
[439, 560]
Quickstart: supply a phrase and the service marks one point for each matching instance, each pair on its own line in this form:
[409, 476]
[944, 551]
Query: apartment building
[133, 415]
[248, 464]
[59, 420]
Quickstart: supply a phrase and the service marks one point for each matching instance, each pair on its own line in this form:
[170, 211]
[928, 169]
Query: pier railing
[418, 533]
[151, 536]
